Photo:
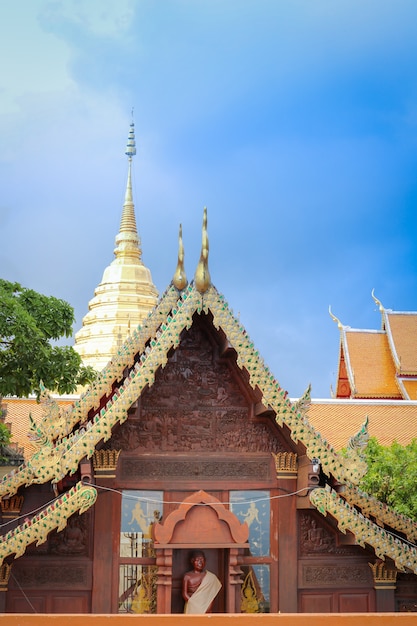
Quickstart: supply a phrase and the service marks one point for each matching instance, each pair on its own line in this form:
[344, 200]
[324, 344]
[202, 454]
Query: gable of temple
[199, 401]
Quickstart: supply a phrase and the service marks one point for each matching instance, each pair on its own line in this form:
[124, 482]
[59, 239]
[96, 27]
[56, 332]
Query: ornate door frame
[201, 521]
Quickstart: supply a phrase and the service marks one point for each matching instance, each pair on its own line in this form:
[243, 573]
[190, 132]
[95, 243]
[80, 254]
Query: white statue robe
[204, 595]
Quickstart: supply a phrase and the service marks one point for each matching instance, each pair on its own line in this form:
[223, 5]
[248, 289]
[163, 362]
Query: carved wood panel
[192, 469]
[197, 403]
[51, 574]
[318, 538]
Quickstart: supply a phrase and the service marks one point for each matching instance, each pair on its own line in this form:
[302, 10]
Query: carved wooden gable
[198, 402]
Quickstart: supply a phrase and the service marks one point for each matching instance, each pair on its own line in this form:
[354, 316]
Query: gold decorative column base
[105, 463]
[11, 507]
[384, 577]
[285, 464]
[5, 571]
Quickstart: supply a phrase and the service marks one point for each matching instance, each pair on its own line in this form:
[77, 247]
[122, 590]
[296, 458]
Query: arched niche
[200, 522]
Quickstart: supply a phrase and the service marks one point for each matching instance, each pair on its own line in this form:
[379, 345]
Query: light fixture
[315, 465]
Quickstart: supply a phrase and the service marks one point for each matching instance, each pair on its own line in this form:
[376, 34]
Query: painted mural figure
[139, 517]
[199, 587]
[252, 515]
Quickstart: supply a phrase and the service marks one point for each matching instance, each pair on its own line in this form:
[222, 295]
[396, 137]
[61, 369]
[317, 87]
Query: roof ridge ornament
[202, 275]
[381, 308]
[377, 302]
[335, 319]
[180, 279]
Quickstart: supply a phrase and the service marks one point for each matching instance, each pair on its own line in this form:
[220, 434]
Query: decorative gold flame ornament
[249, 602]
[202, 275]
[180, 279]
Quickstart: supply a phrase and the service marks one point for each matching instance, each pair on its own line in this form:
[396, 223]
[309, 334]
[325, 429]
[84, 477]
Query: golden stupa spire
[126, 294]
[180, 280]
[128, 241]
[202, 275]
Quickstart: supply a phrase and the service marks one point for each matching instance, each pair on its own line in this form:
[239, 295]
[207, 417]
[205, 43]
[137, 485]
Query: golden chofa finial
[202, 275]
[180, 280]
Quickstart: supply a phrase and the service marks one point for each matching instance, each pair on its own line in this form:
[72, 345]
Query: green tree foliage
[29, 321]
[5, 435]
[392, 475]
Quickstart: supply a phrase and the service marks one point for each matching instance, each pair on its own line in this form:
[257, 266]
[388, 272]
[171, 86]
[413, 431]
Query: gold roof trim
[55, 460]
[370, 506]
[55, 516]
[326, 500]
[78, 412]
[303, 404]
[161, 332]
[273, 395]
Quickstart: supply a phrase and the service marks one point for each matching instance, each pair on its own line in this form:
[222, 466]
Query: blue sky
[293, 121]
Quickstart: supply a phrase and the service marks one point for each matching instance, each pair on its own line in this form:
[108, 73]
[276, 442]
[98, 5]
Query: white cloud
[31, 61]
[100, 18]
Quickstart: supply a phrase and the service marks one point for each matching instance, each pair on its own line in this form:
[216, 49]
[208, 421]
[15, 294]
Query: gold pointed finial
[202, 275]
[335, 319]
[128, 244]
[180, 279]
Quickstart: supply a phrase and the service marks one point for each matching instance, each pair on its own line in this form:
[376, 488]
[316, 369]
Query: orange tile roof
[402, 335]
[410, 386]
[370, 364]
[17, 416]
[338, 420]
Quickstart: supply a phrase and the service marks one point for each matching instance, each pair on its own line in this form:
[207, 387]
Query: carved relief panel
[197, 403]
[317, 538]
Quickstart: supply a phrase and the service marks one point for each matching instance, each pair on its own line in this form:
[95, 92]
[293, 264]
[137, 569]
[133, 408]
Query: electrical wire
[158, 501]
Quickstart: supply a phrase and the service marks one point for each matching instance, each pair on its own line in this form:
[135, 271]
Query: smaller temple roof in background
[401, 328]
[379, 363]
[372, 370]
[389, 420]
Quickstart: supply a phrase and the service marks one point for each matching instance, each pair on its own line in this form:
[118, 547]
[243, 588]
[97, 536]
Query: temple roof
[369, 364]
[379, 363]
[66, 436]
[389, 420]
[401, 329]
